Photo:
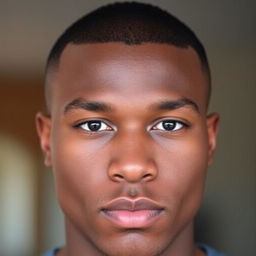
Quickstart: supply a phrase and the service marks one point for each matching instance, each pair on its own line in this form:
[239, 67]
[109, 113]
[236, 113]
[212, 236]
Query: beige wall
[227, 219]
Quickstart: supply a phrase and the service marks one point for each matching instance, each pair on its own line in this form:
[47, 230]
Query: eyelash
[176, 125]
[85, 126]
[160, 125]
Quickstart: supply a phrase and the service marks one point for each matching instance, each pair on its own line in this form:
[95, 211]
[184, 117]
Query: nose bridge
[132, 159]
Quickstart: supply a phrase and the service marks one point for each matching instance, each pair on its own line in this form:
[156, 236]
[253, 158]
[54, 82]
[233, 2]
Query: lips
[126, 213]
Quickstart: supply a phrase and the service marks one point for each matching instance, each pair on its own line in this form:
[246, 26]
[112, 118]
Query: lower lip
[133, 219]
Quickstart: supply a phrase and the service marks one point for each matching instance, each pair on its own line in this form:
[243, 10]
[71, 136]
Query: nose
[132, 163]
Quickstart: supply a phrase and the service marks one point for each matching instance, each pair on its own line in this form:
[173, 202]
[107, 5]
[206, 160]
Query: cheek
[184, 157]
[182, 168]
[76, 156]
[79, 169]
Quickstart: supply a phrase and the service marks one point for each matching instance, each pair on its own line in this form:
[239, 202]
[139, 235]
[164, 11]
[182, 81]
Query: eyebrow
[87, 105]
[96, 106]
[175, 104]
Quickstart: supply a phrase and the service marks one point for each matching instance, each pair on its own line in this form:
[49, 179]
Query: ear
[43, 126]
[212, 129]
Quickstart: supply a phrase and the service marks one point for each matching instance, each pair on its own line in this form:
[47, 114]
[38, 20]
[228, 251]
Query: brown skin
[132, 156]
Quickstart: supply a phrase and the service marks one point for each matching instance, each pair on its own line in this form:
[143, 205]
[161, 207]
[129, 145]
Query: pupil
[168, 125]
[94, 125]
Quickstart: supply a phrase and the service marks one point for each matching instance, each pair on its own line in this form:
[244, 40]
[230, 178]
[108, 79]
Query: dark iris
[94, 125]
[169, 125]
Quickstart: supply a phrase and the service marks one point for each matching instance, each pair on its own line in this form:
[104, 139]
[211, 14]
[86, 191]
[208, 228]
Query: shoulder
[210, 251]
[51, 253]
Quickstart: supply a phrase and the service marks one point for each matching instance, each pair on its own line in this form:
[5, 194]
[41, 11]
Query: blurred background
[30, 220]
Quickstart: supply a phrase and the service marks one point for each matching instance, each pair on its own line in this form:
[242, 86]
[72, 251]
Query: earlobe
[43, 126]
[212, 129]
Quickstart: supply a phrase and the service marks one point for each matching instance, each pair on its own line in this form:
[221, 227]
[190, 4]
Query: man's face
[129, 142]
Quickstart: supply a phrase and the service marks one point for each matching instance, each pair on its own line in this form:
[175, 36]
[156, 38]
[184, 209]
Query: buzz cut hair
[131, 23]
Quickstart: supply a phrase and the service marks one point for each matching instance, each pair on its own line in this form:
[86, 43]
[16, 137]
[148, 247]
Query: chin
[132, 244]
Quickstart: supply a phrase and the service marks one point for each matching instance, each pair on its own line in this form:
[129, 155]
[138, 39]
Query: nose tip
[132, 172]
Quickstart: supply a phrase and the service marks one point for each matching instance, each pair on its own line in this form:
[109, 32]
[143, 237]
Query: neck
[77, 244]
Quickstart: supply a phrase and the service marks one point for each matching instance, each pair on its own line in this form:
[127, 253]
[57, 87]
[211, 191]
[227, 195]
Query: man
[127, 133]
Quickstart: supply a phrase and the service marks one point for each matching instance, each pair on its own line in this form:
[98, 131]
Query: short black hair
[131, 23]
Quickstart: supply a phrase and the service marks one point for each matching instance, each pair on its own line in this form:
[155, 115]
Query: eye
[169, 125]
[94, 126]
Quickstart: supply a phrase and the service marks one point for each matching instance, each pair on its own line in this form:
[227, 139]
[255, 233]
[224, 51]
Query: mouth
[132, 214]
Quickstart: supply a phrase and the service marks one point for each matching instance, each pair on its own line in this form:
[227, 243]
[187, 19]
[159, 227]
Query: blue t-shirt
[208, 250]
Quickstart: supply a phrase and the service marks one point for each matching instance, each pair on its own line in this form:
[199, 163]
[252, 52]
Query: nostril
[118, 177]
[132, 171]
[147, 177]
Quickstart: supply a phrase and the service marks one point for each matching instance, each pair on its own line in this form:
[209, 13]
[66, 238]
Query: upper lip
[127, 204]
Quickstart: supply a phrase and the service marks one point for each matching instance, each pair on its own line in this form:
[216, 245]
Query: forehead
[133, 72]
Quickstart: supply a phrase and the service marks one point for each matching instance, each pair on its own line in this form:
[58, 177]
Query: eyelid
[79, 123]
[185, 124]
